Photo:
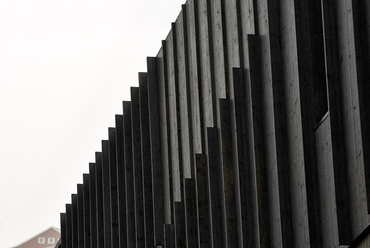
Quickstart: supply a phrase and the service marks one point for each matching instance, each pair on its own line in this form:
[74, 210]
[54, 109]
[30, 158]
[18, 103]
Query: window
[51, 240]
[41, 240]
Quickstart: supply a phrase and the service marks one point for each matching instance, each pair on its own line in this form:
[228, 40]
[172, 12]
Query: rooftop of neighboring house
[45, 239]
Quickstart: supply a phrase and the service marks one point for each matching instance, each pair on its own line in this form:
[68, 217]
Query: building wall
[50, 238]
[249, 129]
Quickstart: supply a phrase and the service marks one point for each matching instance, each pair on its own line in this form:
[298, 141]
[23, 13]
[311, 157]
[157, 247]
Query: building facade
[250, 128]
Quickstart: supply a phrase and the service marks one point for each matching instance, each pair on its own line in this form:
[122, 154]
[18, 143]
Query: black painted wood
[68, 225]
[99, 198]
[259, 162]
[169, 236]
[80, 216]
[215, 185]
[146, 160]
[203, 195]
[74, 221]
[106, 195]
[138, 167]
[93, 209]
[336, 120]
[191, 213]
[113, 186]
[155, 139]
[121, 177]
[86, 209]
[63, 230]
[228, 173]
[130, 181]
[245, 86]
[179, 224]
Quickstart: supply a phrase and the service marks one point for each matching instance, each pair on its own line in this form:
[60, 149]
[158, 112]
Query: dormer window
[41, 240]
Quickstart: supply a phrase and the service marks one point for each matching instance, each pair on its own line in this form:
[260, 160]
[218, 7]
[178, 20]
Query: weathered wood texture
[249, 129]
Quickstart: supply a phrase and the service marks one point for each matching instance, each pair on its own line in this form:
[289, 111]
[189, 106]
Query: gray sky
[65, 68]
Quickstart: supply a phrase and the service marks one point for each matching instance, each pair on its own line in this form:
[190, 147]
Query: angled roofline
[54, 228]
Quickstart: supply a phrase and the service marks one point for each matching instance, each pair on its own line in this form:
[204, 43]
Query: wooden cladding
[250, 128]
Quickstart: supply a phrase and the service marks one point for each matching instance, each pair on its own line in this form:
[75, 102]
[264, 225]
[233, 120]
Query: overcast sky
[65, 68]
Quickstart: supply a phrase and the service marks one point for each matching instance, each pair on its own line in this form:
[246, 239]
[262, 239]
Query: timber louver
[250, 128]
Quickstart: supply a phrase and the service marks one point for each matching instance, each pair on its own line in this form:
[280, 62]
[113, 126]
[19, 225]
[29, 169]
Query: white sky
[65, 68]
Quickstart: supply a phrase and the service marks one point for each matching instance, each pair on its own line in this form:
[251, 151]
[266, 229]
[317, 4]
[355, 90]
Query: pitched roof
[39, 234]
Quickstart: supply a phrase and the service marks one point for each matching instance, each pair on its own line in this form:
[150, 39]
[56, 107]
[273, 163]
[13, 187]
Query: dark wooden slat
[243, 119]
[156, 152]
[169, 236]
[191, 213]
[63, 230]
[146, 160]
[106, 195]
[336, 120]
[113, 186]
[86, 209]
[99, 198]
[121, 177]
[215, 184]
[74, 221]
[361, 13]
[259, 162]
[228, 173]
[203, 201]
[68, 225]
[179, 224]
[129, 170]
[93, 210]
[313, 100]
[80, 216]
[138, 168]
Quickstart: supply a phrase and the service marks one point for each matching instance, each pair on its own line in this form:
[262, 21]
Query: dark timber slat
[121, 175]
[186, 107]
[203, 195]
[171, 86]
[336, 124]
[130, 193]
[74, 221]
[191, 213]
[247, 184]
[311, 72]
[138, 169]
[215, 185]
[351, 117]
[164, 113]
[156, 152]
[194, 79]
[361, 13]
[169, 236]
[146, 160]
[106, 195]
[80, 216]
[218, 51]
[179, 224]
[68, 225]
[86, 209]
[204, 72]
[99, 197]
[63, 230]
[228, 173]
[93, 209]
[181, 104]
[113, 186]
[258, 143]
[326, 184]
